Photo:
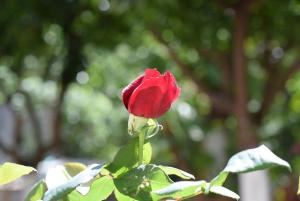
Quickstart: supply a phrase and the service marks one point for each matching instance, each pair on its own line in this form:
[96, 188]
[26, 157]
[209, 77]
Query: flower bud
[136, 124]
[150, 95]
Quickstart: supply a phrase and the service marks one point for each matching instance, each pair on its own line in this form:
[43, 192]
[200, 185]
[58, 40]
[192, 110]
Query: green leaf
[12, 171]
[139, 182]
[127, 157]
[174, 171]
[56, 176]
[254, 159]
[73, 168]
[73, 196]
[220, 179]
[100, 190]
[249, 160]
[181, 190]
[62, 173]
[187, 189]
[121, 197]
[37, 191]
[83, 177]
[220, 190]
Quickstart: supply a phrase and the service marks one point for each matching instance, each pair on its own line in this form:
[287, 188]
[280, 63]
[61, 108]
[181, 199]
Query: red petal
[146, 103]
[149, 73]
[154, 96]
[171, 95]
[127, 91]
[146, 99]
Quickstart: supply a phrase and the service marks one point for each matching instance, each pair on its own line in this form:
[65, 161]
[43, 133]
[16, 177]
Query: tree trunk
[245, 131]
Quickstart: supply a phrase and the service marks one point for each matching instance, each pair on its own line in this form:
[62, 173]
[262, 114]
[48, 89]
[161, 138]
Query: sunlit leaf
[12, 171]
[140, 181]
[56, 176]
[100, 189]
[220, 179]
[74, 168]
[254, 159]
[249, 160]
[220, 190]
[174, 171]
[127, 157]
[181, 190]
[37, 191]
[83, 177]
[121, 197]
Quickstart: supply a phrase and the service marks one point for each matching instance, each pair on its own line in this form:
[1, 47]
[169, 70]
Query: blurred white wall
[255, 186]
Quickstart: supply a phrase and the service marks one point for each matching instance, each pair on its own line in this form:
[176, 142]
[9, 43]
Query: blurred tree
[236, 61]
[236, 38]
[251, 45]
[45, 40]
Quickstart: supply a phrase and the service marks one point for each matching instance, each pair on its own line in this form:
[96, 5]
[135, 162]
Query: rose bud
[150, 95]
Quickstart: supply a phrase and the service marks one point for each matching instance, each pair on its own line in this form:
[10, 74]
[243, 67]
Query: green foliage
[148, 181]
[11, 171]
[74, 168]
[127, 157]
[254, 159]
[122, 197]
[250, 160]
[100, 189]
[246, 161]
[174, 171]
[139, 182]
[37, 191]
[116, 42]
[83, 177]
[182, 189]
[220, 190]
[186, 189]
[114, 45]
[220, 179]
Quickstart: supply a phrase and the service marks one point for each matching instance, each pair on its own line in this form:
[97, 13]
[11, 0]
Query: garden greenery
[130, 181]
[131, 175]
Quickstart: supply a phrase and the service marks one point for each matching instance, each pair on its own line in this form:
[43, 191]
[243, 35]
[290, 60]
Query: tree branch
[73, 65]
[220, 101]
[275, 84]
[56, 141]
[36, 124]
[219, 60]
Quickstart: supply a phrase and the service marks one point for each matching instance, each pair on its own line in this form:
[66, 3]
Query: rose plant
[131, 176]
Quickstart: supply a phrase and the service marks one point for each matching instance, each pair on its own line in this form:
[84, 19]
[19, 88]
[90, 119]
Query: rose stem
[141, 145]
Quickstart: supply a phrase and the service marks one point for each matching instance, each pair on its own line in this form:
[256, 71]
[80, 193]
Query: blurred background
[63, 64]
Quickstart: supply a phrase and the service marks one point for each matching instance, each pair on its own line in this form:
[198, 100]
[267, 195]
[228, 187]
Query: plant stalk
[141, 145]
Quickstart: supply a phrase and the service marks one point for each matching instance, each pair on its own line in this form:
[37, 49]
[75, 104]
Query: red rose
[151, 94]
